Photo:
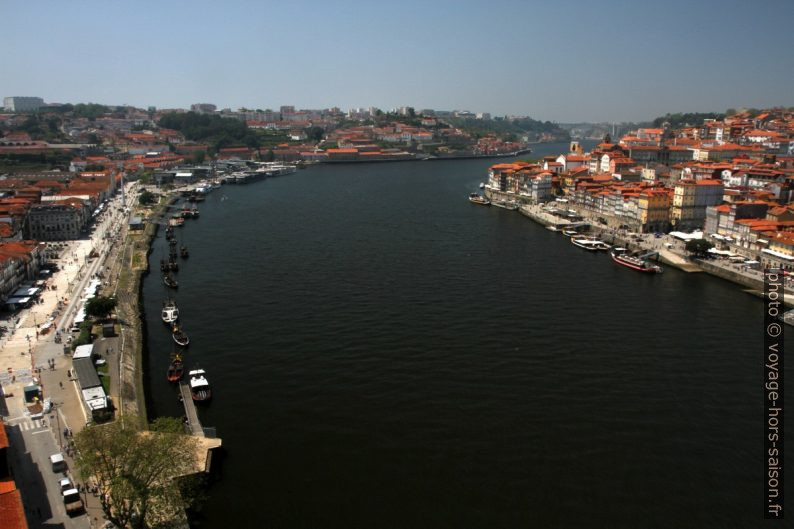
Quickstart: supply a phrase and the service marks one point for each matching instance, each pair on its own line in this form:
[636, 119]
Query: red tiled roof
[12, 512]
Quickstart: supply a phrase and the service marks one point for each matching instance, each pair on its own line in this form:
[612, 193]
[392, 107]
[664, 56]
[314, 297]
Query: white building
[22, 104]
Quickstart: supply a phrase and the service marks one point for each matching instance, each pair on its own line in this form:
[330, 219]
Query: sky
[560, 60]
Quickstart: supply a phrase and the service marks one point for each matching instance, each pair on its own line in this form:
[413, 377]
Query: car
[58, 462]
[65, 484]
[657, 235]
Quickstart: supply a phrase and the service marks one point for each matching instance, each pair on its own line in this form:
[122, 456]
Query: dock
[193, 423]
[207, 441]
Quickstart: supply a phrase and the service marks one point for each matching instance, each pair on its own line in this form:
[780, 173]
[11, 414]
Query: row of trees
[219, 132]
[691, 119]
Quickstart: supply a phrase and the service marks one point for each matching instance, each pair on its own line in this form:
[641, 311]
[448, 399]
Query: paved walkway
[30, 352]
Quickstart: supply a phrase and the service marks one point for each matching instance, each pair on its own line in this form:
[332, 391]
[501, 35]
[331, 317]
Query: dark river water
[385, 354]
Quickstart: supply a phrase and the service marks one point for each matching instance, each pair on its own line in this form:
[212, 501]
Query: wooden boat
[620, 256]
[169, 280]
[179, 336]
[175, 369]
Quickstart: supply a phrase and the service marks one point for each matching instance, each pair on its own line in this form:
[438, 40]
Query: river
[385, 354]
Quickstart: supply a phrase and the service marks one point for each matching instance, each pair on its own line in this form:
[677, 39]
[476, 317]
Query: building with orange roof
[19, 261]
[12, 510]
[60, 220]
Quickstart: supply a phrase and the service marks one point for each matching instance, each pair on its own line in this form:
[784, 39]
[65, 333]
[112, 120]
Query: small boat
[180, 336]
[176, 369]
[621, 257]
[173, 265]
[506, 204]
[170, 312]
[183, 252]
[194, 212]
[476, 198]
[482, 185]
[570, 233]
[163, 265]
[169, 280]
[199, 386]
[185, 213]
[589, 244]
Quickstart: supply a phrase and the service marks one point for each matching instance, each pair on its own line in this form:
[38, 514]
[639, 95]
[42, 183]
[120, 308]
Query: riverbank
[669, 251]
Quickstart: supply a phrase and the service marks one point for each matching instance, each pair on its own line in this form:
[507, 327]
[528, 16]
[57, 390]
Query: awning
[778, 254]
[83, 351]
[687, 236]
[25, 292]
[17, 300]
[762, 241]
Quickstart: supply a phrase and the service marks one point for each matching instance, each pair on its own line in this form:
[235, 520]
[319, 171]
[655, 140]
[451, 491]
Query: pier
[193, 423]
[207, 442]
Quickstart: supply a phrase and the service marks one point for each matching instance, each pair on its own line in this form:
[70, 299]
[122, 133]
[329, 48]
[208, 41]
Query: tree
[136, 471]
[146, 198]
[699, 247]
[198, 157]
[100, 307]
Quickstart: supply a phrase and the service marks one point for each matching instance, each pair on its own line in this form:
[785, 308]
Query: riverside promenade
[671, 251]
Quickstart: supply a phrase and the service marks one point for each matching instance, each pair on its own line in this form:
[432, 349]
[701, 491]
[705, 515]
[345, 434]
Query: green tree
[137, 472]
[698, 247]
[100, 307]
[146, 198]
[269, 157]
[146, 178]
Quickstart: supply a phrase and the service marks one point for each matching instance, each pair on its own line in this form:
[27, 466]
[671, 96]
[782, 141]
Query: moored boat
[180, 336]
[590, 244]
[170, 312]
[199, 386]
[183, 252]
[169, 280]
[476, 198]
[621, 257]
[175, 369]
[570, 233]
[506, 204]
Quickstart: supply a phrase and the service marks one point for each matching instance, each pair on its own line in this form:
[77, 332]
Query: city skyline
[570, 62]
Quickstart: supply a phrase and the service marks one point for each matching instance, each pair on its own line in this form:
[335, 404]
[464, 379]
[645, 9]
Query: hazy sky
[585, 60]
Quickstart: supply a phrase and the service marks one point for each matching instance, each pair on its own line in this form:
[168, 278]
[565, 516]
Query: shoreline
[747, 284]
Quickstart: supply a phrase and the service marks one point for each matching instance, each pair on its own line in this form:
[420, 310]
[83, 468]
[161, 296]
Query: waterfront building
[22, 104]
[20, 261]
[539, 187]
[63, 220]
[690, 200]
[653, 208]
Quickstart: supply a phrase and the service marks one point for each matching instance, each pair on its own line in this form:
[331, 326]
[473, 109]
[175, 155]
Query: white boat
[474, 198]
[506, 204]
[170, 312]
[589, 244]
[482, 185]
[199, 386]
[570, 233]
